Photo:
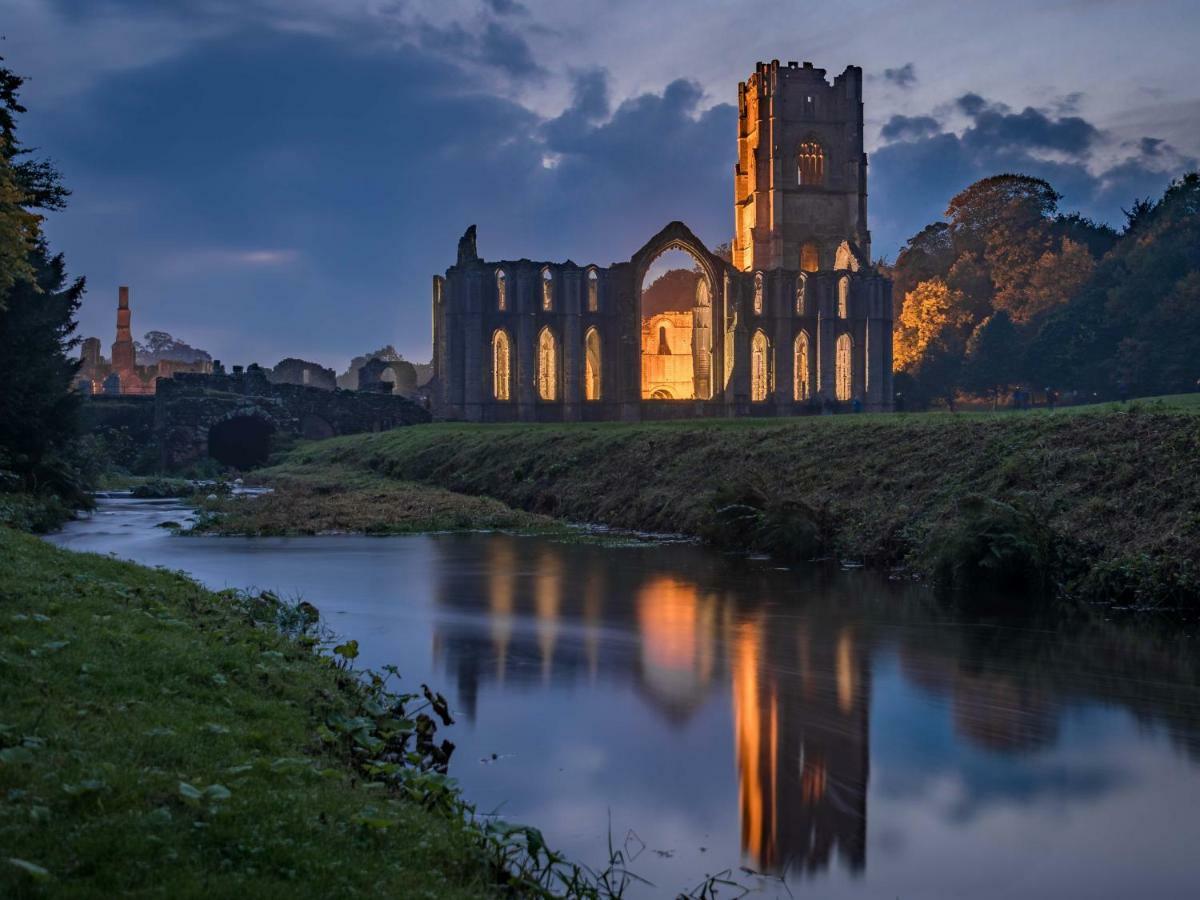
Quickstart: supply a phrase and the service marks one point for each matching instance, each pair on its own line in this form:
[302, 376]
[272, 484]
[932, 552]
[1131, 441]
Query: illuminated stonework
[796, 321]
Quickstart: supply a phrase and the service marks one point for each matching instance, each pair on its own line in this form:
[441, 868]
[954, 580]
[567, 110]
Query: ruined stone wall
[473, 303]
[188, 405]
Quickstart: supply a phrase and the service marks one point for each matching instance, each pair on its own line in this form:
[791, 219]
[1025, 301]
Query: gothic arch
[593, 290]
[501, 290]
[547, 365]
[801, 368]
[591, 365]
[677, 236]
[811, 163]
[547, 278]
[801, 293]
[760, 367]
[844, 370]
[810, 257]
[843, 297]
[501, 366]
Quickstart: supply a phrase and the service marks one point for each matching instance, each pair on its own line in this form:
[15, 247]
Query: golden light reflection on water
[677, 635]
[502, 590]
[798, 694]
[756, 781]
[547, 600]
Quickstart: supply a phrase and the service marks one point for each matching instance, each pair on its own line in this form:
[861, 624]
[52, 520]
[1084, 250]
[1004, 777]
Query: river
[713, 713]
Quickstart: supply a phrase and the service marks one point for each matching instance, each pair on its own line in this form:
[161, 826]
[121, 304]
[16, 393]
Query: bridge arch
[242, 439]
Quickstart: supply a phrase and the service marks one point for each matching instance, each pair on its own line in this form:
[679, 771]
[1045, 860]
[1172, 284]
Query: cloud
[907, 128]
[903, 77]
[920, 166]
[508, 51]
[508, 8]
[207, 260]
[1031, 129]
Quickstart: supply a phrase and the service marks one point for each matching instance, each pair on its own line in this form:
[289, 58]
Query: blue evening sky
[283, 177]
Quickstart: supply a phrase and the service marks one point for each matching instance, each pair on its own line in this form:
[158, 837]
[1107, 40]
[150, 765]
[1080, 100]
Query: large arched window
[547, 365]
[844, 380]
[810, 258]
[760, 367]
[501, 291]
[810, 164]
[844, 298]
[501, 366]
[801, 293]
[591, 365]
[547, 290]
[593, 291]
[800, 382]
[758, 294]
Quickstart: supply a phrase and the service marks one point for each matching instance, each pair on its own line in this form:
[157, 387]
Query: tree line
[1008, 294]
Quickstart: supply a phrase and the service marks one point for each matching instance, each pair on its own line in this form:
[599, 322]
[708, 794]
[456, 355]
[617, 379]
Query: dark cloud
[507, 50]
[971, 104]
[497, 47]
[903, 77]
[508, 8]
[907, 128]
[351, 177]
[589, 104]
[1030, 129]
[919, 168]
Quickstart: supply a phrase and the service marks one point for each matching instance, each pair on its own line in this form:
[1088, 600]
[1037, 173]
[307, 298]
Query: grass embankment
[351, 500]
[159, 739]
[1114, 487]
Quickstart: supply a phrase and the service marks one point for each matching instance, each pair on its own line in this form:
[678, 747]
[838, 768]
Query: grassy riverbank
[160, 739]
[349, 500]
[1112, 489]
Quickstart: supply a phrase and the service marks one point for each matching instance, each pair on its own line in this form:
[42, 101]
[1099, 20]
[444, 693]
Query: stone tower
[800, 184]
[122, 348]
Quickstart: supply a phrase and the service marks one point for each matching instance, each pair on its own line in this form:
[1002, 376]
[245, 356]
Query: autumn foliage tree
[1004, 247]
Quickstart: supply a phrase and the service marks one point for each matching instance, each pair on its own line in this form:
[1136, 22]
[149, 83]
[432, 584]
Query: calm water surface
[834, 728]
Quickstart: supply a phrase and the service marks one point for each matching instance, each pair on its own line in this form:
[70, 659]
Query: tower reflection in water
[800, 721]
[799, 693]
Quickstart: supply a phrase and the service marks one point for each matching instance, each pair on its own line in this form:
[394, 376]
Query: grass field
[156, 740]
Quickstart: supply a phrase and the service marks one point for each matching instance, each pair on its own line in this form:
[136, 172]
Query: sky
[281, 178]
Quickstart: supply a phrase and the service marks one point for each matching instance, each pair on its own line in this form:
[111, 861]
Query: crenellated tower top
[800, 183]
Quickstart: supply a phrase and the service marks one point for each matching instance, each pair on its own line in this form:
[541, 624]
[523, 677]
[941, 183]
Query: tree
[999, 203]
[993, 355]
[1134, 327]
[929, 309]
[38, 302]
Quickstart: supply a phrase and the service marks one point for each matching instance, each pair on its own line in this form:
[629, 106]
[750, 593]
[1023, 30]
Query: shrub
[743, 516]
[994, 551]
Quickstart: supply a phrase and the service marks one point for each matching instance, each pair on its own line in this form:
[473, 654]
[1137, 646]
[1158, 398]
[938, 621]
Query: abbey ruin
[795, 320]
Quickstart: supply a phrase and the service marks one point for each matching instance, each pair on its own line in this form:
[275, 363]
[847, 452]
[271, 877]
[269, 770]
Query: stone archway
[681, 368]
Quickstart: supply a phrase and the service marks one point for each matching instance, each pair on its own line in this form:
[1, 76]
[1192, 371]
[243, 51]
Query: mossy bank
[1112, 489]
[157, 739]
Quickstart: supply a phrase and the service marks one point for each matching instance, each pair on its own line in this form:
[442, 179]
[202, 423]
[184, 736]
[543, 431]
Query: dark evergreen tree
[38, 409]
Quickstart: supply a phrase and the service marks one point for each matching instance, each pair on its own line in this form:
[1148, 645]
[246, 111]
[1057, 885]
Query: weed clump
[744, 516]
[995, 551]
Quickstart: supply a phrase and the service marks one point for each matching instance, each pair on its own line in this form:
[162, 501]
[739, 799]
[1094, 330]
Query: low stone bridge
[235, 418]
